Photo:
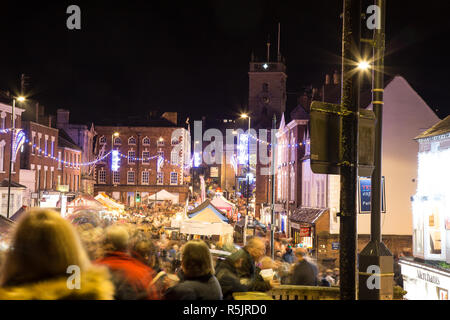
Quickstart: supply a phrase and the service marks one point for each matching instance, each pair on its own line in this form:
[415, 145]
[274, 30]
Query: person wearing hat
[304, 273]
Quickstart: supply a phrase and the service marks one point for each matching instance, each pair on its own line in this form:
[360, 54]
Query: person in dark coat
[288, 256]
[197, 280]
[238, 273]
[305, 273]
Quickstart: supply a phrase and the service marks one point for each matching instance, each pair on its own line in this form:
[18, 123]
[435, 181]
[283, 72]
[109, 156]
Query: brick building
[17, 190]
[83, 136]
[39, 169]
[140, 143]
[69, 168]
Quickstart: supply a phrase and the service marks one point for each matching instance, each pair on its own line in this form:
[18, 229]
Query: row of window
[36, 140]
[132, 141]
[131, 176]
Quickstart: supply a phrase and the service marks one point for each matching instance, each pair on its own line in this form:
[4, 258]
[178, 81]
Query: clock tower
[267, 90]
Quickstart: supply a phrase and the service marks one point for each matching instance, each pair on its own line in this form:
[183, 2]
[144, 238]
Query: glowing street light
[363, 65]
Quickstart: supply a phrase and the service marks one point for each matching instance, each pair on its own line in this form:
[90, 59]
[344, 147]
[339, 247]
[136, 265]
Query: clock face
[264, 98]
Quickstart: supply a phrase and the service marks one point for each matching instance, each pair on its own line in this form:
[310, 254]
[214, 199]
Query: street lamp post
[13, 130]
[244, 116]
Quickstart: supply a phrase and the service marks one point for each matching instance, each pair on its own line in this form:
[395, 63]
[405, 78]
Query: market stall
[85, 202]
[164, 195]
[207, 220]
[112, 206]
[221, 203]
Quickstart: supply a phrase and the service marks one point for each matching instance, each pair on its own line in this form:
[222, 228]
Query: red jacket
[136, 274]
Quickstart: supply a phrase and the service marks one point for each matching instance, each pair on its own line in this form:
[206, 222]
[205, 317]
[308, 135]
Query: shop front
[303, 224]
[423, 281]
[302, 235]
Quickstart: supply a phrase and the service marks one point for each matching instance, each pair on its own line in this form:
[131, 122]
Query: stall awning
[307, 215]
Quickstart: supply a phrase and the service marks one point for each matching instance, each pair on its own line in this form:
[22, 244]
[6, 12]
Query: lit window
[160, 142]
[132, 140]
[146, 157]
[53, 148]
[160, 154]
[145, 177]
[173, 178]
[160, 178]
[117, 141]
[102, 176]
[116, 177]
[102, 140]
[130, 177]
[131, 157]
[174, 157]
[175, 141]
[146, 141]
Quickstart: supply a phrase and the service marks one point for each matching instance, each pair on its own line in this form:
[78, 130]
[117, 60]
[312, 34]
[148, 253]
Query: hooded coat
[95, 284]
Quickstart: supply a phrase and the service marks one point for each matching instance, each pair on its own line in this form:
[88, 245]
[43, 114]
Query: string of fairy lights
[295, 145]
[44, 153]
[39, 151]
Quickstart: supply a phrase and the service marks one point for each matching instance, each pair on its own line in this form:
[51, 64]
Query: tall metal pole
[376, 253]
[377, 102]
[10, 156]
[272, 216]
[248, 182]
[349, 150]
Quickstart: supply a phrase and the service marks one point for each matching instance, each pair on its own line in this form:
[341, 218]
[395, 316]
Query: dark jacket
[242, 279]
[288, 256]
[305, 274]
[199, 288]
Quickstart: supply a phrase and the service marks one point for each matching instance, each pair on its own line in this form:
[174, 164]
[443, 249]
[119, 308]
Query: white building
[428, 277]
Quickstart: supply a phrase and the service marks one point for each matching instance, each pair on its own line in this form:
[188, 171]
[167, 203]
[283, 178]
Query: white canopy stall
[164, 195]
[207, 220]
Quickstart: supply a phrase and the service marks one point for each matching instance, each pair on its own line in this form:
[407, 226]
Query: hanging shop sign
[365, 195]
[305, 231]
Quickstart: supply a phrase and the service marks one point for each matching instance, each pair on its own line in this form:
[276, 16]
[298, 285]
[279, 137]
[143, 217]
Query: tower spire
[268, 48]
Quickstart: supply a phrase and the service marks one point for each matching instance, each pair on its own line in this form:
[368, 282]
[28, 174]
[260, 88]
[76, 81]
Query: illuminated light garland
[269, 144]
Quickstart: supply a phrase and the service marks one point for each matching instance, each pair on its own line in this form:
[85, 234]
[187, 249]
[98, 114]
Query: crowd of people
[135, 257]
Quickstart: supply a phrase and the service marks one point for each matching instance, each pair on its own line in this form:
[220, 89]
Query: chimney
[327, 79]
[336, 77]
[62, 118]
[171, 116]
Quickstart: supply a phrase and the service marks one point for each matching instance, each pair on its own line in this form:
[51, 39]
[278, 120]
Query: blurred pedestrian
[198, 280]
[289, 256]
[305, 273]
[45, 252]
[132, 278]
[238, 272]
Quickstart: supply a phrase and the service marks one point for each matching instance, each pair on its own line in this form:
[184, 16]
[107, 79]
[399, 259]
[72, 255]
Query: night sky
[131, 57]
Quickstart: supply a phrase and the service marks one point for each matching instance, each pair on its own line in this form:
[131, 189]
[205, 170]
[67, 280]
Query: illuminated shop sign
[115, 160]
[365, 194]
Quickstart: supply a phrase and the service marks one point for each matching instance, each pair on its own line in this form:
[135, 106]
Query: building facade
[38, 164]
[83, 137]
[151, 157]
[17, 190]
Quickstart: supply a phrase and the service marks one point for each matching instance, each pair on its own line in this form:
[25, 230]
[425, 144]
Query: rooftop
[440, 128]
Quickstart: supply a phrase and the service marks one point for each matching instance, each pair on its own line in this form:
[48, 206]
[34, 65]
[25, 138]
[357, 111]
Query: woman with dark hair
[198, 281]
